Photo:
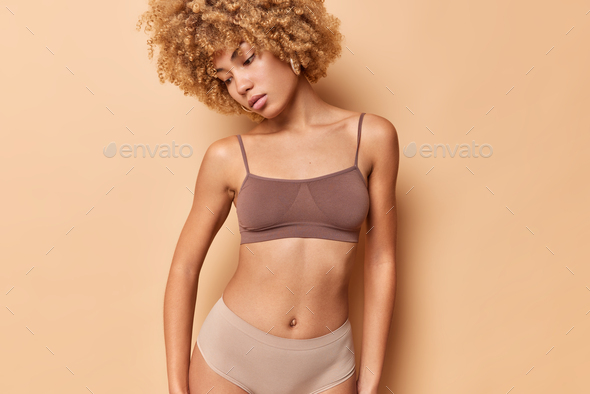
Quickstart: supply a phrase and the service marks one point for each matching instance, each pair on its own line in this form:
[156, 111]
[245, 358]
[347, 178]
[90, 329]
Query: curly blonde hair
[190, 33]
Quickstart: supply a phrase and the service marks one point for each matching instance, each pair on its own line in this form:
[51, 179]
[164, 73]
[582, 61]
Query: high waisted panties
[262, 363]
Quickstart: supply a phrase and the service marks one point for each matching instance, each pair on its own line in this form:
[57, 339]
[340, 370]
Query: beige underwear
[262, 363]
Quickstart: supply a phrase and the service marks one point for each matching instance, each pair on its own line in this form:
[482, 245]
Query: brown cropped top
[332, 206]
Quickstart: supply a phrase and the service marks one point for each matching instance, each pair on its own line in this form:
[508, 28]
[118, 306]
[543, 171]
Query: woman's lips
[260, 102]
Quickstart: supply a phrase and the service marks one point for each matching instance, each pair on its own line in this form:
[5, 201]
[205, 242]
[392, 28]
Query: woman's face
[256, 74]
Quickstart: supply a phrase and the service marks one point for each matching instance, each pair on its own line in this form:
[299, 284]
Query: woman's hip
[262, 362]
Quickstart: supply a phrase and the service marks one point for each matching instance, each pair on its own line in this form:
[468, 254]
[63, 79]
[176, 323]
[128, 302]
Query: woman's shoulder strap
[358, 139]
[243, 153]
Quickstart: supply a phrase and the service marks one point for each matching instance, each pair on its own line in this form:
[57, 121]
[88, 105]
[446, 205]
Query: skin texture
[302, 137]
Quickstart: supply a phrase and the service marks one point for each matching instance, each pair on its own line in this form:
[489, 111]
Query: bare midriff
[292, 287]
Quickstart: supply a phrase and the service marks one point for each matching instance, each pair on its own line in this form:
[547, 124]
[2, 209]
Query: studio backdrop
[99, 161]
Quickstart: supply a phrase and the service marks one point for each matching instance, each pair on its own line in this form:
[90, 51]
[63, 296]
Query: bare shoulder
[380, 141]
[221, 152]
[223, 158]
[378, 129]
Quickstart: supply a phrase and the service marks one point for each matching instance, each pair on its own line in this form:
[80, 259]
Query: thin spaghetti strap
[358, 140]
[243, 153]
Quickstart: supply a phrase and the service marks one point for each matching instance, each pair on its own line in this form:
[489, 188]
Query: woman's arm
[379, 265]
[211, 205]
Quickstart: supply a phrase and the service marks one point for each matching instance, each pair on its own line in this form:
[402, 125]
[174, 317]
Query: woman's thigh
[346, 387]
[202, 378]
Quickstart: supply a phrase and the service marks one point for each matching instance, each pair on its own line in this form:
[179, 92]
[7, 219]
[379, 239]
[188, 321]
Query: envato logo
[164, 150]
[465, 150]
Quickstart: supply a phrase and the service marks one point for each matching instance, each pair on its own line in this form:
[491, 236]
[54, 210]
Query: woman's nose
[243, 84]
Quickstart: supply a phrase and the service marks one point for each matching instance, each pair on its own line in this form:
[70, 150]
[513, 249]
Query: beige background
[493, 275]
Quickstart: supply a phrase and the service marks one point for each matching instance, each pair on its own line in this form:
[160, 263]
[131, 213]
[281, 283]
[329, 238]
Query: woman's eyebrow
[233, 55]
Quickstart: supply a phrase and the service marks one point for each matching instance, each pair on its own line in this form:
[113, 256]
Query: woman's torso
[302, 279]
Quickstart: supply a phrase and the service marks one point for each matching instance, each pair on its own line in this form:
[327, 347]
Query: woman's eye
[228, 81]
[248, 61]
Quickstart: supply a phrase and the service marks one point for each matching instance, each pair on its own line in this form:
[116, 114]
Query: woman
[281, 325]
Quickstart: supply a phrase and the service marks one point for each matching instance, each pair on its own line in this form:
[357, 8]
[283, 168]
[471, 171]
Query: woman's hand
[363, 390]
[366, 391]
[186, 391]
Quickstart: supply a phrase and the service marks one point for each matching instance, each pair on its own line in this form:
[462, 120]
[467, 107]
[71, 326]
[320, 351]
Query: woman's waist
[296, 309]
